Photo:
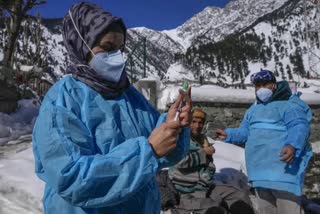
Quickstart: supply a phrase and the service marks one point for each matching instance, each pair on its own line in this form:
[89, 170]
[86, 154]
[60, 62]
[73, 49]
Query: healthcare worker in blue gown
[97, 142]
[275, 131]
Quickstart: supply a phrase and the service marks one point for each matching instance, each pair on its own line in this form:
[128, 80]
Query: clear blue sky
[154, 14]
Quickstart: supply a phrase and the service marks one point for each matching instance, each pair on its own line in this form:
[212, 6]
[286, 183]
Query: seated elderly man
[193, 178]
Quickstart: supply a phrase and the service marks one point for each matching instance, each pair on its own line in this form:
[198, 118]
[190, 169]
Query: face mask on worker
[109, 65]
[264, 94]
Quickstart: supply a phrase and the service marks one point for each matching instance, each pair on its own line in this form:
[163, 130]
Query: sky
[153, 14]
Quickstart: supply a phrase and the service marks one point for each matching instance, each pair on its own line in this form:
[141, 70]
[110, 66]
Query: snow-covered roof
[211, 93]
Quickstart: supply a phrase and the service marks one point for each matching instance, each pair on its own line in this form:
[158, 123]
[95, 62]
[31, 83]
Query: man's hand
[287, 153]
[185, 114]
[221, 134]
[209, 150]
[163, 139]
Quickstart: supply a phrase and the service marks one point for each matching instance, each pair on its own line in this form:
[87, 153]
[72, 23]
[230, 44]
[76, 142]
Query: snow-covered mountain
[275, 41]
[214, 23]
[218, 45]
[51, 54]
[211, 25]
[160, 51]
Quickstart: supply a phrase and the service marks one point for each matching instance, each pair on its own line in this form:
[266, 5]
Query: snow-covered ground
[316, 147]
[14, 125]
[20, 189]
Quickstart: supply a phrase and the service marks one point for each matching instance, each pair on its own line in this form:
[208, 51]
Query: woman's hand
[184, 99]
[163, 139]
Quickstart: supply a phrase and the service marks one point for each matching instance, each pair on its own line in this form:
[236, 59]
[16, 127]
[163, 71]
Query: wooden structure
[9, 97]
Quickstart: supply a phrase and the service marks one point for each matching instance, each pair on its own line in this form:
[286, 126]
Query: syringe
[184, 88]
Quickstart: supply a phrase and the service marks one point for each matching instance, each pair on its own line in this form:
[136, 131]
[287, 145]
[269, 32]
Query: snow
[230, 164]
[173, 34]
[176, 70]
[14, 125]
[26, 68]
[316, 147]
[20, 190]
[1, 55]
[212, 93]
[56, 49]
[140, 29]
[214, 22]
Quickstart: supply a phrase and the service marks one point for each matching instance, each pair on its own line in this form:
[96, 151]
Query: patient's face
[196, 126]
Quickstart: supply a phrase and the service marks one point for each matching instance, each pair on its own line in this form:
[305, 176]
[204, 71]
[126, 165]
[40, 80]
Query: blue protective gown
[93, 154]
[266, 129]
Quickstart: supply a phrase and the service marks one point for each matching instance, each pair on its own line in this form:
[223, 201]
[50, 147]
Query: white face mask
[264, 94]
[108, 65]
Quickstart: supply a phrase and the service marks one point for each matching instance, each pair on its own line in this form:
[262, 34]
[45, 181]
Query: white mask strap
[80, 65]
[79, 33]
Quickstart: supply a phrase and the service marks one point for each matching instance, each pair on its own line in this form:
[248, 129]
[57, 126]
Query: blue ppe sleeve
[238, 135]
[181, 149]
[298, 127]
[66, 161]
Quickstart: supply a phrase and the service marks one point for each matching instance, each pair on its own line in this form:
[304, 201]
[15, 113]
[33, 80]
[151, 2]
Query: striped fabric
[195, 171]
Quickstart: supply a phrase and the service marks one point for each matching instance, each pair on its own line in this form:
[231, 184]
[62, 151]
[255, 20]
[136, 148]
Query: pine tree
[289, 72]
[282, 71]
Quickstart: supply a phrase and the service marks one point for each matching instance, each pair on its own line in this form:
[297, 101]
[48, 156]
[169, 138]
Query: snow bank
[211, 93]
[230, 164]
[26, 68]
[14, 125]
[316, 147]
[20, 189]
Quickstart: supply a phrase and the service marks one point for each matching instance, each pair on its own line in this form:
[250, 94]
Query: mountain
[210, 25]
[220, 46]
[213, 23]
[275, 41]
[160, 51]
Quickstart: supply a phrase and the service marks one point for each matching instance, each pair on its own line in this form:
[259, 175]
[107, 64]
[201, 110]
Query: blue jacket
[93, 153]
[266, 129]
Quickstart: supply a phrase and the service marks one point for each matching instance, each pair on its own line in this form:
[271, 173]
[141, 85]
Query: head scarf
[80, 32]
